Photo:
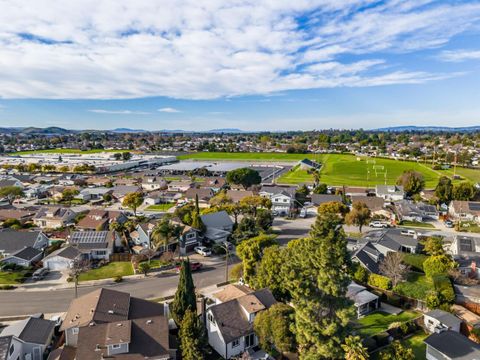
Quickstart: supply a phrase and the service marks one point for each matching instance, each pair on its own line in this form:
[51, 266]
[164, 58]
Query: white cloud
[459, 55]
[119, 112]
[169, 110]
[105, 49]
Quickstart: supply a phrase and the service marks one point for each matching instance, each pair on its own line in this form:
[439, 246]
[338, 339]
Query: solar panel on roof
[474, 206]
[466, 244]
[85, 237]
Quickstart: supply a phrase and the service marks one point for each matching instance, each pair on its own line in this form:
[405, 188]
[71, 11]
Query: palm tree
[165, 231]
[354, 349]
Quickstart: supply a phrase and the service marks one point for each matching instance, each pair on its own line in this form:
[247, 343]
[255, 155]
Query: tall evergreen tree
[317, 279]
[185, 298]
[192, 337]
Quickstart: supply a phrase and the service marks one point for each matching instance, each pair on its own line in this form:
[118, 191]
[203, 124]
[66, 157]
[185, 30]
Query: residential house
[142, 234]
[97, 219]
[319, 199]
[390, 192]
[53, 217]
[95, 245]
[180, 185]
[17, 214]
[151, 183]
[24, 257]
[161, 197]
[32, 337]
[13, 241]
[353, 192]
[10, 182]
[218, 226]
[112, 324]
[364, 301]
[409, 211]
[36, 191]
[93, 194]
[204, 194]
[10, 348]
[368, 256]
[62, 259]
[451, 345]
[307, 164]
[98, 180]
[119, 191]
[391, 240]
[465, 210]
[465, 246]
[230, 323]
[70, 179]
[214, 183]
[238, 195]
[282, 198]
[189, 238]
[438, 320]
[375, 204]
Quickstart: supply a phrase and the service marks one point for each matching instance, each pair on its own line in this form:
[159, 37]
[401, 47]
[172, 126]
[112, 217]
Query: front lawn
[379, 321]
[12, 278]
[111, 270]
[417, 286]
[417, 224]
[159, 207]
[155, 264]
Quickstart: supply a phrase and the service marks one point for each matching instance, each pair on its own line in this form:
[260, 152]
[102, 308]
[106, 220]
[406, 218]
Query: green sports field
[343, 169]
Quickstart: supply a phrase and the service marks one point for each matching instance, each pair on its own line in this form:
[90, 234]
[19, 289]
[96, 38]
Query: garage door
[57, 265]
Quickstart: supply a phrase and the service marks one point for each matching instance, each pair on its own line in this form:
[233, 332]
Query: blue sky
[253, 65]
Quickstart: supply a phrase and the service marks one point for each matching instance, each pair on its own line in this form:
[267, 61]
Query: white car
[202, 250]
[378, 224]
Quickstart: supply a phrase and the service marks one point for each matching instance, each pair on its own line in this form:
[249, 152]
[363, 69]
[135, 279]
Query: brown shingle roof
[231, 292]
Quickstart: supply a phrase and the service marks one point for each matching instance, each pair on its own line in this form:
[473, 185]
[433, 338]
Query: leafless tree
[392, 266]
[79, 266]
[148, 253]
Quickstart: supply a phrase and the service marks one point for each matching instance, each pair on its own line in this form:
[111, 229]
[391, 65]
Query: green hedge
[415, 261]
[380, 281]
[444, 287]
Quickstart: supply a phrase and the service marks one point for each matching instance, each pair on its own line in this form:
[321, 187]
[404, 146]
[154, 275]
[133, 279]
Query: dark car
[449, 223]
[194, 266]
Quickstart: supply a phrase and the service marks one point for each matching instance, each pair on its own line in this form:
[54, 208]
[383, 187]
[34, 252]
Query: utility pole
[225, 246]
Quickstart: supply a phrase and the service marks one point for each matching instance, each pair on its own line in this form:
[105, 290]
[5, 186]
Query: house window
[116, 346]
[11, 350]
[285, 200]
[75, 331]
[101, 252]
[235, 343]
[191, 236]
[210, 318]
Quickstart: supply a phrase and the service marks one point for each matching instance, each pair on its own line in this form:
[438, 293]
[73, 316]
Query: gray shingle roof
[31, 330]
[217, 220]
[12, 240]
[27, 253]
[4, 346]
[444, 317]
[318, 199]
[454, 345]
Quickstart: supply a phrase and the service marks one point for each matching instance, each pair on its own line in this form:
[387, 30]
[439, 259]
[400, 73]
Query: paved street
[23, 303]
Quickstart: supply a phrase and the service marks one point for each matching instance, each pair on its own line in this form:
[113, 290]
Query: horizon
[254, 66]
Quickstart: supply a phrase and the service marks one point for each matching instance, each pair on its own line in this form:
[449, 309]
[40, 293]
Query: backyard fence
[121, 257]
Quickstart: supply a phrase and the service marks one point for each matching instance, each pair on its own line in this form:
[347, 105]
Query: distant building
[390, 192]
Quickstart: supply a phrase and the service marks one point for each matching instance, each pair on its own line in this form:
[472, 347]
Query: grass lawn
[344, 169]
[159, 207]
[417, 224]
[66, 151]
[11, 278]
[379, 321]
[417, 286]
[118, 268]
[154, 264]
[415, 342]
[296, 176]
[415, 261]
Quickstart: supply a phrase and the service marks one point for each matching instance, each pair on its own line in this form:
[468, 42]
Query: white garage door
[57, 264]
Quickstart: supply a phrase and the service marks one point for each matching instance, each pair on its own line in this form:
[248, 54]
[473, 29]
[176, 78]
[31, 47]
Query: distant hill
[430, 128]
[225, 131]
[127, 130]
[53, 130]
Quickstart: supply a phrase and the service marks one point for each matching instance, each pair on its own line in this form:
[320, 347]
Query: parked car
[379, 224]
[40, 274]
[303, 213]
[202, 250]
[194, 266]
[449, 224]
[408, 232]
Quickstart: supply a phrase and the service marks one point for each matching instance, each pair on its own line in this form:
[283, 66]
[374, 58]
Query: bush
[444, 288]
[118, 279]
[382, 339]
[394, 300]
[361, 274]
[370, 344]
[7, 287]
[415, 261]
[379, 281]
[236, 271]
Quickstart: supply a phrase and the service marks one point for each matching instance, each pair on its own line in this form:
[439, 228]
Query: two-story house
[13, 241]
[390, 192]
[282, 198]
[230, 320]
[218, 226]
[53, 217]
[95, 245]
[97, 219]
[112, 324]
